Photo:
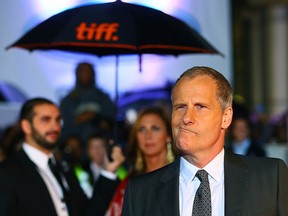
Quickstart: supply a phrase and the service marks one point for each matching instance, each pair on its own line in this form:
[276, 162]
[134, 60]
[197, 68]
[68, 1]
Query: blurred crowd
[262, 128]
[88, 143]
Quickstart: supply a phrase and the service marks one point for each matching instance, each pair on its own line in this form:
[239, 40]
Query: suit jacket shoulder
[255, 185]
[155, 193]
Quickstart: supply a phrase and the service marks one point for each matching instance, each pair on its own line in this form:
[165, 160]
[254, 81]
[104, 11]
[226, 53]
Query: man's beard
[41, 141]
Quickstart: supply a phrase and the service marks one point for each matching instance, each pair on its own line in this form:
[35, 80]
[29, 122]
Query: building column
[277, 59]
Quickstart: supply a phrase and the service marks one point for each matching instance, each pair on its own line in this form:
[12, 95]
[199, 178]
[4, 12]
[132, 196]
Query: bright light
[131, 115]
[51, 7]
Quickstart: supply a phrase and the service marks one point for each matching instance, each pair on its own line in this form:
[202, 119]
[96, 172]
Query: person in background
[71, 150]
[241, 141]
[71, 153]
[233, 184]
[33, 182]
[98, 155]
[86, 108]
[149, 148]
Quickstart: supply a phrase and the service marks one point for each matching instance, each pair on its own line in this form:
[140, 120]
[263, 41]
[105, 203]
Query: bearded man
[33, 182]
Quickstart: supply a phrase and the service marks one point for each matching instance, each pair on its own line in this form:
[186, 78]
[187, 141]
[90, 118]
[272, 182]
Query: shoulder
[100, 92]
[260, 161]
[268, 165]
[255, 149]
[255, 164]
[67, 98]
[11, 170]
[9, 163]
[159, 176]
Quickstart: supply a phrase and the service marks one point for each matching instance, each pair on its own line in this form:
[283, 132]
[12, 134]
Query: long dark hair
[132, 140]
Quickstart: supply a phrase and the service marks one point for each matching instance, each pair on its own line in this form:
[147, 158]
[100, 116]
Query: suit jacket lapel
[168, 192]
[235, 177]
[35, 179]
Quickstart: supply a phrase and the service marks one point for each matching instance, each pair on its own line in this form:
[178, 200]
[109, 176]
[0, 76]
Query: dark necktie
[202, 201]
[56, 170]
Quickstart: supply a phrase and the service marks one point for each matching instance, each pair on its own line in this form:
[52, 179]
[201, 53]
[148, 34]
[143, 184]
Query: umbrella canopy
[115, 28]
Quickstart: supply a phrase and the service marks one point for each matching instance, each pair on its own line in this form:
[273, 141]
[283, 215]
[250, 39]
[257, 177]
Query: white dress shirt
[241, 147]
[97, 171]
[188, 185]
[41, 161]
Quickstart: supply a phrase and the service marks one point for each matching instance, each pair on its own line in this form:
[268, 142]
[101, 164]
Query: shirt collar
[215, 168]
[38, 157]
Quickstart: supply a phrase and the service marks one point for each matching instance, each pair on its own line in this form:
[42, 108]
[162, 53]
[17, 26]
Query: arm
[102, 194]
[105, 187]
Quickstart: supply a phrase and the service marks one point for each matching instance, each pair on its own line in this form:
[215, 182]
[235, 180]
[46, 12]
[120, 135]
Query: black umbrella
[115, 28]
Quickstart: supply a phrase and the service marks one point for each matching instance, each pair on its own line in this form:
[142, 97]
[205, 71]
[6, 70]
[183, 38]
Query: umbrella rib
[76, 44]
[124, 46]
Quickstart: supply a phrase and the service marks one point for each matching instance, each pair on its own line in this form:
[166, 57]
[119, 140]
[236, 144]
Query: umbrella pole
[116, 101]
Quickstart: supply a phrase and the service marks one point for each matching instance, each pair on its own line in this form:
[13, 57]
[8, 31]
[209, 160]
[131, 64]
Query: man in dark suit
[242, 141]
[29, 187]
[237, 185]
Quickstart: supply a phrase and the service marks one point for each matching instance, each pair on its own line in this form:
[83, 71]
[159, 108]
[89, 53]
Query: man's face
[240, 130]
[97, 150]
[45, 128]
[85, 76]
[197, 118]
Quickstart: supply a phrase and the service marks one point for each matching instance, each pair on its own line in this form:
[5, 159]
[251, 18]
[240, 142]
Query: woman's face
[152, 135]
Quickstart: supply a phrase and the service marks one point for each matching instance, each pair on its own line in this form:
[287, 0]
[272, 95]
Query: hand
[117, 159]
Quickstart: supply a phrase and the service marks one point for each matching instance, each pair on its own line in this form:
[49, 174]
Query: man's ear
[25, 126]
[227, 117]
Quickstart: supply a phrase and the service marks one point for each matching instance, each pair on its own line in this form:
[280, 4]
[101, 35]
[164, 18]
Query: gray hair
[224, 90]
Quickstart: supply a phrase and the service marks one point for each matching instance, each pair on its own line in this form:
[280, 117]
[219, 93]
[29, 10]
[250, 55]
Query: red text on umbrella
[106, 31]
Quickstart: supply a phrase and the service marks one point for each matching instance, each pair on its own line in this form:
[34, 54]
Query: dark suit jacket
[254, 186]
[24, 193]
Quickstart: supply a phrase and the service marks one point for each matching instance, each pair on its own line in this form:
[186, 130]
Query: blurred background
[52, 73]
[251, 35]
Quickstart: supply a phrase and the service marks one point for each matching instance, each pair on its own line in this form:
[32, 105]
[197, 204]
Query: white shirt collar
[38, 157]
[215, 168]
